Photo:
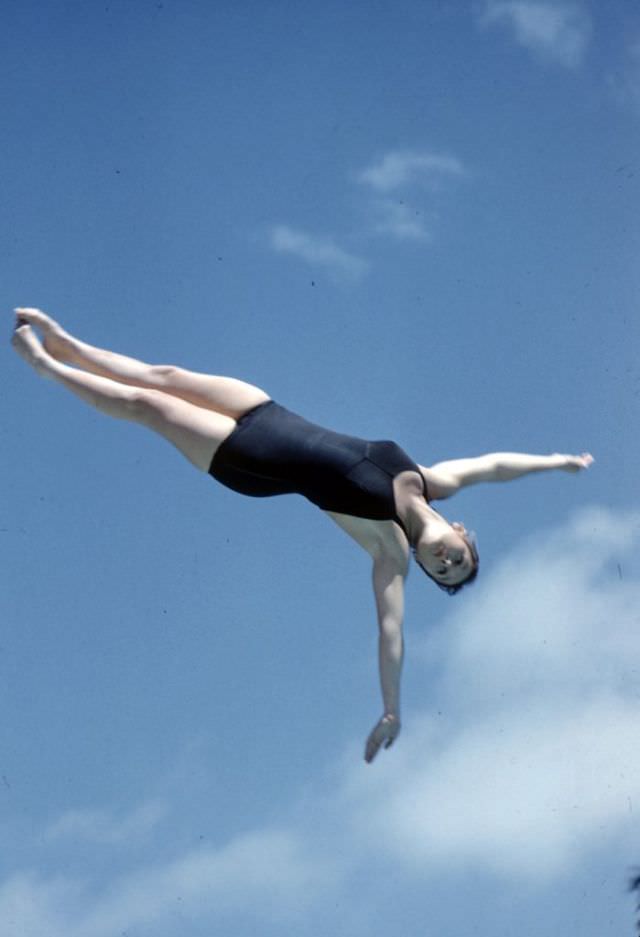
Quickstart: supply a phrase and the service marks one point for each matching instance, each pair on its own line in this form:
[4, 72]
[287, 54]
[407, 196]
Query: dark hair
[634, 885]
[470, 539]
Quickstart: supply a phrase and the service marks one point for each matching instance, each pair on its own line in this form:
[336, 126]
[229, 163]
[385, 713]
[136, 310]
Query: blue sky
[415, 221]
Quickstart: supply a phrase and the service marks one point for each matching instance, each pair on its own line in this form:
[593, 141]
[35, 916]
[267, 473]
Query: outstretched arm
[388, 587]
[445, 478]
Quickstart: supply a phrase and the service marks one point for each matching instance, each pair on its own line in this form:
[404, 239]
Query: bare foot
[26, 343]
[57, 342]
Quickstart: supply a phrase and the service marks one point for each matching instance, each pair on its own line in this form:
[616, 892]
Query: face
[449, 560]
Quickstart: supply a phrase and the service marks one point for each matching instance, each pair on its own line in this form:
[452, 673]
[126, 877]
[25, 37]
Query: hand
[575, 463]
[384, 733]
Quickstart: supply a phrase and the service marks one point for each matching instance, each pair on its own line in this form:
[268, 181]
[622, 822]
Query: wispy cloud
[267, 870]
[395, 183]
[400, 221]
[99, 826]
[403, 168]
[317, 251]
[531, 756]
[624, 83]
[388, 183]
[558, 31]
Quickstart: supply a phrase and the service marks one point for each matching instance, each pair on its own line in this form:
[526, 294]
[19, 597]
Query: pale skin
[197, 412]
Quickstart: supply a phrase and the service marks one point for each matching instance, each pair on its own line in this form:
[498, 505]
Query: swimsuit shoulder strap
[425, 490]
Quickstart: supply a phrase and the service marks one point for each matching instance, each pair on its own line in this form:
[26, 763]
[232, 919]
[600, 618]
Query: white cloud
[624, 83]
[386, 215]
[559, 31]
[393, 175]
[101, 827]
[520, 794]
[406, 167]
[266, 869]
[268, 874]
[526, 762]
[400, 220]
[318, 251]
[533, 758]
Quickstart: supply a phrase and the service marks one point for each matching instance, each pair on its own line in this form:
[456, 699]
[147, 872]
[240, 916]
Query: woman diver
[234, 431]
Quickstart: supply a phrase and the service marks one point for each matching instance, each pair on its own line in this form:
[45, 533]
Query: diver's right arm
[446, 478]
[388, 587]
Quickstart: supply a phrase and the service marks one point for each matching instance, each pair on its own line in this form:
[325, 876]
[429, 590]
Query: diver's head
[452, 561]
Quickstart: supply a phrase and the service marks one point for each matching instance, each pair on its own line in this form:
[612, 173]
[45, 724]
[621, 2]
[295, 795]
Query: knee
[135, 402]
[163, 373]
[125, 402]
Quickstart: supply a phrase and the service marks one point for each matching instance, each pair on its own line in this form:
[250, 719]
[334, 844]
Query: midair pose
[234, 431]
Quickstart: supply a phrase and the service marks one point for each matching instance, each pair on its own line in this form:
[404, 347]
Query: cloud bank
[98, 826]
[531, 758]
[264, 875]
[523, 761]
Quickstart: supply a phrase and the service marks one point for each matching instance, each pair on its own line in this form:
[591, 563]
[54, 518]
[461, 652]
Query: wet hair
[451, 589]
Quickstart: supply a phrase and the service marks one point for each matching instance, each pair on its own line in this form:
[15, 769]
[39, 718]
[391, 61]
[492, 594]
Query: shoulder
[438, 482]
[380, 539]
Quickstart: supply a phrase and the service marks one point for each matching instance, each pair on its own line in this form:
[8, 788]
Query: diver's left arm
[445, 478]
[388, 587]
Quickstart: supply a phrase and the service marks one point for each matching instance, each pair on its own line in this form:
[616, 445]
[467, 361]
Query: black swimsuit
[274, 452]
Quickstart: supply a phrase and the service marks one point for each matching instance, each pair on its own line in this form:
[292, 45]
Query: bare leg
[225, 395]
[195, 431]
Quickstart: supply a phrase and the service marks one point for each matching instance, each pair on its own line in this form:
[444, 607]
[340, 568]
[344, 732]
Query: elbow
[498, 471]
[391, 639]
[390, 626]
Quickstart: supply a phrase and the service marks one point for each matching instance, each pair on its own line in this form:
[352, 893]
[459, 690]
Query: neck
[421, 521]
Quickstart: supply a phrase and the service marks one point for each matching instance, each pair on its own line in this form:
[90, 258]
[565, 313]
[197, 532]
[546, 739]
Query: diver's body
[273, 451]
[236, 432]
